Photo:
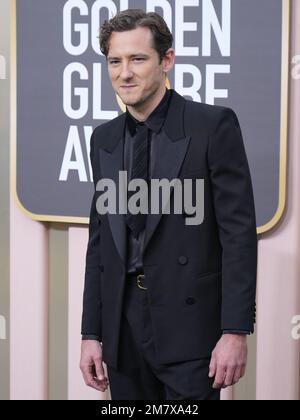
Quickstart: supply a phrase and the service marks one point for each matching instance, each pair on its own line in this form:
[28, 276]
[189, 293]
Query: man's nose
[126, 72]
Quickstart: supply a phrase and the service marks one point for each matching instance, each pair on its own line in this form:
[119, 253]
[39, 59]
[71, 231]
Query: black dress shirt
[154, 123]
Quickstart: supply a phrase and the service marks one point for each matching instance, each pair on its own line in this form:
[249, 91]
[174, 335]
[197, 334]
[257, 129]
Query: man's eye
[138, 59]
[114, 62]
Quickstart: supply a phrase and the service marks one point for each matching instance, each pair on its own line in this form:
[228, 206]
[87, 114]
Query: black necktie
[137, 222]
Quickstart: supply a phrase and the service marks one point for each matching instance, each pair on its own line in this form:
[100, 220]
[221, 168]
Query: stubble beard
[141, 100]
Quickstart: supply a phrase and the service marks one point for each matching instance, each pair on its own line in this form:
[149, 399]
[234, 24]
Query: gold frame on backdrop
[84, 220]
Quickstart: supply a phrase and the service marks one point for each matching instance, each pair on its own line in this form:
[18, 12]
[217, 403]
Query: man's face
[134, 68]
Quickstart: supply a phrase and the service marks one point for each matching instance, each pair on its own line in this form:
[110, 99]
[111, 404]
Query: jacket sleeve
[91, 315]
[235, 214]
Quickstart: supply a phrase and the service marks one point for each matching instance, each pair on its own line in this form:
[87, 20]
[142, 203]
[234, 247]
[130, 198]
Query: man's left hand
[228, 360]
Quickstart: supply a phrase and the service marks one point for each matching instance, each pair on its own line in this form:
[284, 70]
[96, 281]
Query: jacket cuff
[241, 332]
[90, 337]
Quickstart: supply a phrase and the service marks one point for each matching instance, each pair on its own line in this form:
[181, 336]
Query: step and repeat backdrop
[228, 52]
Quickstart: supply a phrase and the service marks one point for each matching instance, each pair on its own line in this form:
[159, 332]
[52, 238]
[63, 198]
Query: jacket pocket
[208, 275]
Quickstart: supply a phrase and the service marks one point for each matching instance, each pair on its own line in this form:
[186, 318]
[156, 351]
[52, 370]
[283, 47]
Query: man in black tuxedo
[167, 305]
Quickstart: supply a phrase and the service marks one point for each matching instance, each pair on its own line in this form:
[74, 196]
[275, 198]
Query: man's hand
[91, 365]
[228, 361]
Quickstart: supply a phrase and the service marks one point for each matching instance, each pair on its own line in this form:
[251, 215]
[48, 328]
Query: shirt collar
[156, 118]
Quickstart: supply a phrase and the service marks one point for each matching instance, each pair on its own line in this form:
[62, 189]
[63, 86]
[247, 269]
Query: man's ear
[168, 60]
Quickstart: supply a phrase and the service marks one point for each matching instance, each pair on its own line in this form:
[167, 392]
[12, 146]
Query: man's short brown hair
[134, 18]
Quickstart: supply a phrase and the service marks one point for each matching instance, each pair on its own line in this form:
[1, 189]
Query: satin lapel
[111, 163]
[170, 156]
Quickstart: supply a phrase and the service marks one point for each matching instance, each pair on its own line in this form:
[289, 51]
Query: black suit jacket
[201, 279]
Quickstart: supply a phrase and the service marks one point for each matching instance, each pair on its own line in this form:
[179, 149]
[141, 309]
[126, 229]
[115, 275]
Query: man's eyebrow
[131, 56]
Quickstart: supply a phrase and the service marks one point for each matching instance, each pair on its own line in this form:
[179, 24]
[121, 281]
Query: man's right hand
[91, 365]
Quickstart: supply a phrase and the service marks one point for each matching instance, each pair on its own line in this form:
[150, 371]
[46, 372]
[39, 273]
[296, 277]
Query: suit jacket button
[183, 260]
[101, 268]
[190, 301]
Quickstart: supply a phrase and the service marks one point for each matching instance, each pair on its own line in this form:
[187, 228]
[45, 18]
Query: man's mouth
[127, 86]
